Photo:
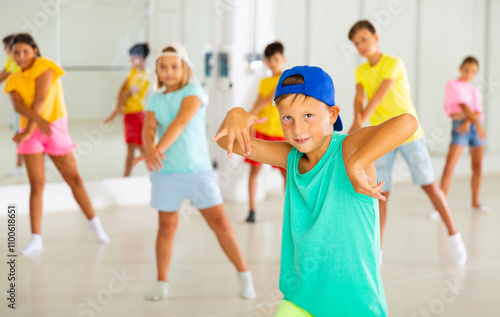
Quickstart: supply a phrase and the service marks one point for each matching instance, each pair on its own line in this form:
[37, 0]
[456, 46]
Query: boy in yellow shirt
[131, 102]
[385, 81]
[263, 107]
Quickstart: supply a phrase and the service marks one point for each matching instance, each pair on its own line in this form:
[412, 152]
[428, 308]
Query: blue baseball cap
[317, 84]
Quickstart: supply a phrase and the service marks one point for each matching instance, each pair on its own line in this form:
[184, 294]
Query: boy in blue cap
[331, 236]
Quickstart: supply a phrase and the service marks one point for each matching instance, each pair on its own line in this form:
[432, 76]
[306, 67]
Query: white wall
[90, 39]
[432, 37]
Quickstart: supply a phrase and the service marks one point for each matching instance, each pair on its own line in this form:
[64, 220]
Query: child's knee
[37, 186]
[168, 226]
[221, 225]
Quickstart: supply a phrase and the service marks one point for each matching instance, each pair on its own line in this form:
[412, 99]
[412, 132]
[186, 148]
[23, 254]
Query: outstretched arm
[236, 127]
[151, 154]
[123, 95]
[359, 101]
[377, 98]
[154, 154]
[189, 107]
[366, 145]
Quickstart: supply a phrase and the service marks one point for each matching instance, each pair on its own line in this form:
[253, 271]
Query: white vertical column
[239, 26]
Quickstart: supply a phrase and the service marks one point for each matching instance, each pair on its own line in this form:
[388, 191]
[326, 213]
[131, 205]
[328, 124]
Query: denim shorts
[169, 190]
[470, 138]
[417, 158]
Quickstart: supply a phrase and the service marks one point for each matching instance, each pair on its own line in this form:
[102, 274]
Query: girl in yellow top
[36, 93]
[131, 102]
[11, 67]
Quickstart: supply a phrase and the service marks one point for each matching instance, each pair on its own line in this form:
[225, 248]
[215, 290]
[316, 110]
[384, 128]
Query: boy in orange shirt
[270, 130]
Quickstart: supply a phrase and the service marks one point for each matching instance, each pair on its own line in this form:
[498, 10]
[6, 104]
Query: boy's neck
[278, 72]
[172, 88]
[315, 156]
[375, 58]
[139, 68]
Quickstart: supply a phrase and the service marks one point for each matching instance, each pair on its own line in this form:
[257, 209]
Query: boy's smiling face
[306, 122]
[366, 43]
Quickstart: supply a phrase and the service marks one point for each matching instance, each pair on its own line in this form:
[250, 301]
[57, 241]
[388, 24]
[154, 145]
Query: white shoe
[35, 244]
[434, 215]
[458, 251]
[247, 290]
[482, 209]
[159, 291]
[17, 171]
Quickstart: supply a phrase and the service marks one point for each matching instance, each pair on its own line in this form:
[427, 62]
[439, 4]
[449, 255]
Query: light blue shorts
[417, 158]
[169, 190]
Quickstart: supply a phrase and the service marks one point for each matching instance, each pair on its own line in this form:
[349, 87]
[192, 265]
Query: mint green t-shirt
[331, 241]
[189, 152]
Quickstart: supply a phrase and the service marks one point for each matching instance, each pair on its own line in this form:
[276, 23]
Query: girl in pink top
[463, 105]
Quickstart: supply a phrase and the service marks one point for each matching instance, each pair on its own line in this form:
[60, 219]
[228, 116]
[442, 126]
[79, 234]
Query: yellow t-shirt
[11, 65]
[138, 83]
[398, 99]
[23, 82]
[272, 127]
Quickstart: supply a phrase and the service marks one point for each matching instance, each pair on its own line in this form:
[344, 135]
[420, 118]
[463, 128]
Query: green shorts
[289, 309]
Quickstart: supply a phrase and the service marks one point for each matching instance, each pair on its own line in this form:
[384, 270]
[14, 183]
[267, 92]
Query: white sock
[483, 209]
[96, 226]
[458, 250]
[159, 291]
[247, 290]
[35, 244]
[380, 259]
[434, 215]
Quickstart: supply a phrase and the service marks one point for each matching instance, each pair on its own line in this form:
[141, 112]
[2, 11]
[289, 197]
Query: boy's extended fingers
[261, 120]
[241, 141]
[230, 141]
[246, 138]
[221, 133]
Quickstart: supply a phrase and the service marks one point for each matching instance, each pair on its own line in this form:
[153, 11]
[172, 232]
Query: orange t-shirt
[23, 82]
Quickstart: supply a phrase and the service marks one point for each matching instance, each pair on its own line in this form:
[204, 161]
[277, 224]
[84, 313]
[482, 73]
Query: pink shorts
[59, 143]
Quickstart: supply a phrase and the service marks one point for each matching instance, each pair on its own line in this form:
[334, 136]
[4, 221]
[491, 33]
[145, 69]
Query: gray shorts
[417, 158]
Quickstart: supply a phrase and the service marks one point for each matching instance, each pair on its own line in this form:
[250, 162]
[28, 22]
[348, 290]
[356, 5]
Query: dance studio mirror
[90, 40]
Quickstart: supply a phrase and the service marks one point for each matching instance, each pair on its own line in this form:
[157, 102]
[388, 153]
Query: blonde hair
[187, 72]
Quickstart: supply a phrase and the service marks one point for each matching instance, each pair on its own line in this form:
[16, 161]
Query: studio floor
[76, 276]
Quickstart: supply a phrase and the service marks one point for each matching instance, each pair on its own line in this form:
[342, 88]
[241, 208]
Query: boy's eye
[309, 116]
[286, 118]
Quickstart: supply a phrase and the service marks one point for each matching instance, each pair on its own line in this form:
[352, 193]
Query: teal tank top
[331, 241]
